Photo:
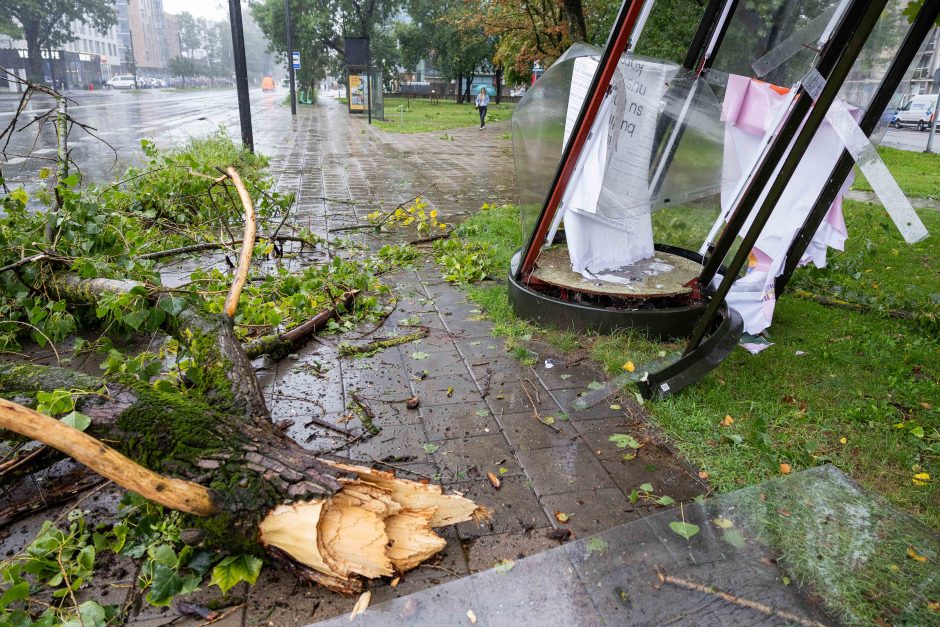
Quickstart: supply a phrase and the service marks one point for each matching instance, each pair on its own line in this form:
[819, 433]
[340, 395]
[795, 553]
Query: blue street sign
[296, 60]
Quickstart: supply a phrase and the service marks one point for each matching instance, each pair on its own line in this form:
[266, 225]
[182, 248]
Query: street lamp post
[290, 56]
[241, 73]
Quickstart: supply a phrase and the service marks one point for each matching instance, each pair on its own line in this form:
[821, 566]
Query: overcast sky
[211, 9]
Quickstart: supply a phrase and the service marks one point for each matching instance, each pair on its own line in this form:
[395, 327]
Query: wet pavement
[796, 550]
[123, 119]
[477, 401]
[481, 410]
[908, 138]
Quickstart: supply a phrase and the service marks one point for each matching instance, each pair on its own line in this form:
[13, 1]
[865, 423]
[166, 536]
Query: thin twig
[432, 238]
[735, 600]
[535, 412]
[400, 468]
[23, 262]
[386, 217]
[58, 361]
[381, 321]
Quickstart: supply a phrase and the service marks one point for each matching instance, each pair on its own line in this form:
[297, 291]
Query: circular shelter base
[649, 284]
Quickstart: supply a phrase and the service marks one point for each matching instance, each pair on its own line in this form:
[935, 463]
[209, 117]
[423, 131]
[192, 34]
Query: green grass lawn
[917, 173]
[421, 116]
[832, 373]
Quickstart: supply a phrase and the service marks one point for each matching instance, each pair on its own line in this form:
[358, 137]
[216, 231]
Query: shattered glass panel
[873, 64]
[811, 548]
[643, 162]
[757, 31]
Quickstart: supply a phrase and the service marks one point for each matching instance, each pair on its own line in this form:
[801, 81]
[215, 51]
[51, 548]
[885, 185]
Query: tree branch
[177, 494]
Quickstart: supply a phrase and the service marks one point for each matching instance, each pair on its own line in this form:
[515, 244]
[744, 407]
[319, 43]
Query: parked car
[122, 81]
[919, 112]
[159, 82]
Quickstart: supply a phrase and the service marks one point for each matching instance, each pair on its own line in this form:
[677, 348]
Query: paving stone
[467, 323]
[393, 382]
[653, 463]
[485, 552]
[442, 365]
[562, 469]
[442, 422]
[280, 598]
[507, 396]
[400, 441]
[601, 410]
[525, 432]
[482, 349]
[514, 506]
[466, 459]
[450, 390]
[591, 510]
[562, 377]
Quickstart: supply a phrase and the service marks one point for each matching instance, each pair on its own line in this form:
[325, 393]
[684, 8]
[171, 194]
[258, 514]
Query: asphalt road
[123, 119]
[909, 138]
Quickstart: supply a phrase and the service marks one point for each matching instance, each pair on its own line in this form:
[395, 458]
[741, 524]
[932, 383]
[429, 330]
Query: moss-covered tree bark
[332, 523]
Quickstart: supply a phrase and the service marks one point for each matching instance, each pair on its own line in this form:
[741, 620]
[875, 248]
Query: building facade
[148, 34]
[174, 49]
[105, 46]
[926, 66]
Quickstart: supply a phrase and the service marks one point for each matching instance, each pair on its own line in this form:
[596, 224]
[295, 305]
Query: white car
[123, 81]
[918, 112]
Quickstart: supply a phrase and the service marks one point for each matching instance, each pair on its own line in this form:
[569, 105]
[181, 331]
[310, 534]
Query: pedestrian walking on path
[483, 101]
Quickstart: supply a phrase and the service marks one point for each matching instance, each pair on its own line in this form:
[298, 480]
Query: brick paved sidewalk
[476, 412]
[477, 401]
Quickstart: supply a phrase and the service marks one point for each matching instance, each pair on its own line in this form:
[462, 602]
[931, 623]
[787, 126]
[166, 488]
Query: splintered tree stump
[334, 523]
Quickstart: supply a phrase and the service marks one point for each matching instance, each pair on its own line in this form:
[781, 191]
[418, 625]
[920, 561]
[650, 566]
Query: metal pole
[892, 79]
[708, 37]
[933, 121]
[835, 62]
[776, 151]
[290, 56]
[369, 76]
[241, 73]
[616, 44]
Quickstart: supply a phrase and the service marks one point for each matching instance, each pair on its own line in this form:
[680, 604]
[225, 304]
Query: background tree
[181, 67]
[446, 36]
[225, 50]
[524, 33]
[320, 29]
[190, 40]
[46, 24]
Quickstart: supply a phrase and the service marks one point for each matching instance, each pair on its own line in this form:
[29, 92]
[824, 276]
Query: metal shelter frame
[713, 336]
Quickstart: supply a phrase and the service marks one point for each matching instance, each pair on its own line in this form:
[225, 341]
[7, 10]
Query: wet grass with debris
[915, 172]
[855, 388]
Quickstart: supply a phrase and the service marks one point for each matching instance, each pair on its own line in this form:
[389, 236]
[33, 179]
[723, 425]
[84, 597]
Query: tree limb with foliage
[188, 427]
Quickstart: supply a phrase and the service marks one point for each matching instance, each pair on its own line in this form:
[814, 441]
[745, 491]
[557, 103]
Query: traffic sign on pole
[296, 60]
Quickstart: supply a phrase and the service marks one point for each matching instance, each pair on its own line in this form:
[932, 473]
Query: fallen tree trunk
[213, 452]
[229, 381]
[251, 486]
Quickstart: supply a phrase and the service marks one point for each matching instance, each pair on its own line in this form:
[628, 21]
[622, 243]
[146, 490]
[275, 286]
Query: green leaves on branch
[235, 569]
[465, 262]
[61, 562]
